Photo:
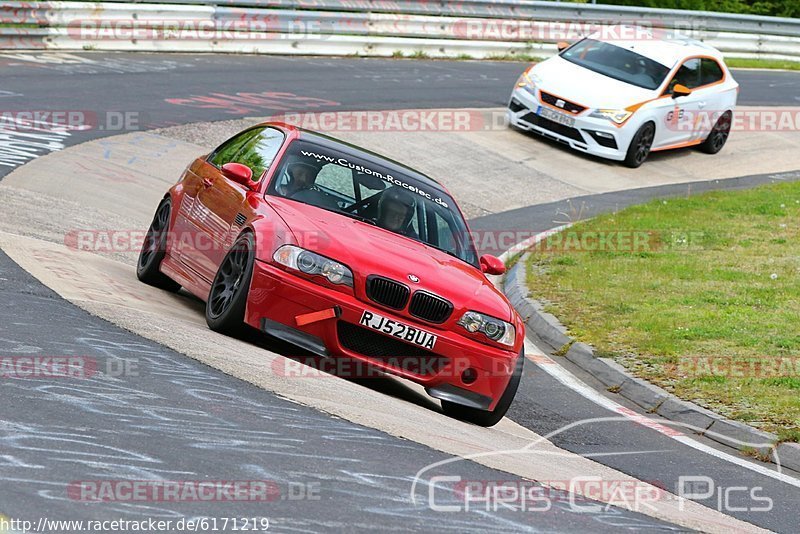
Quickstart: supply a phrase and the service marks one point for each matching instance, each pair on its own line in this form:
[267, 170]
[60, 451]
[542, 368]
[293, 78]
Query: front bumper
[598, 137]
[277, 297]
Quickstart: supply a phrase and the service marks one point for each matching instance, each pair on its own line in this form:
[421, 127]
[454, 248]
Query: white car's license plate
[555, 116]
[399, 330]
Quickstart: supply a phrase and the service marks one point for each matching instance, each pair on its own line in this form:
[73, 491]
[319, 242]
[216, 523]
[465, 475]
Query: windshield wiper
[446, 251]
[358, 217]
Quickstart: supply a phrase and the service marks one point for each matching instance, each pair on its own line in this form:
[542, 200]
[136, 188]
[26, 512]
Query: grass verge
[755, 63]
[18, 25]
[699, 295]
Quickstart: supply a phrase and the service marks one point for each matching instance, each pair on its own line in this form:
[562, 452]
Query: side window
[688, 75]
[337, 179]
[259, 151]
[711, 71]
[228, 150]
[255, 148]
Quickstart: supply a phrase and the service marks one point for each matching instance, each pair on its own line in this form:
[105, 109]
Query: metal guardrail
[528, 10]
[478, 28]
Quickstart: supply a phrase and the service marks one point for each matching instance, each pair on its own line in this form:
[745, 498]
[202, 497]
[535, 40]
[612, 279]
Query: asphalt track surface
[34, 318]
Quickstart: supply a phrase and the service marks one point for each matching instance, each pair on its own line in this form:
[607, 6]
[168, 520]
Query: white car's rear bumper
[598, 137]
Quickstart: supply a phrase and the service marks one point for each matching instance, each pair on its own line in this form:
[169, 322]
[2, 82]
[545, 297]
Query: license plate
[555, 116]
[390, 327]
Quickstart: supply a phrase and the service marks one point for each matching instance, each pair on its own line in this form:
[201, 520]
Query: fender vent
[240, 219]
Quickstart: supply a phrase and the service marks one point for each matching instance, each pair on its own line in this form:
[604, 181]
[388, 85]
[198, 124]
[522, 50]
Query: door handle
[207, 182]
[701, 105]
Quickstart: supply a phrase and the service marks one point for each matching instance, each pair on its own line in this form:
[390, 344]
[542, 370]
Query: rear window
[616, 62]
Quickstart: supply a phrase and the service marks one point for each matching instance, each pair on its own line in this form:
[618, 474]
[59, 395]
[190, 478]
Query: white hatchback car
[622, 99]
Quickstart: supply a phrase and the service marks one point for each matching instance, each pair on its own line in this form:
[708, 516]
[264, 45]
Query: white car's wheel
[718, 136]
[640, 145]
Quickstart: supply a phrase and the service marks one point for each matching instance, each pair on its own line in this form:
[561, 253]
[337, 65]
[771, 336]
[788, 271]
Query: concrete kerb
[618, 380]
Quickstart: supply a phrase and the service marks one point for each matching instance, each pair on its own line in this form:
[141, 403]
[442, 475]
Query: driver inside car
[301, 186]
[395, 210]
[301, 176]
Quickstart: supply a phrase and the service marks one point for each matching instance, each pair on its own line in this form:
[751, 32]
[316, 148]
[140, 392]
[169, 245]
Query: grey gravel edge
[654, 399]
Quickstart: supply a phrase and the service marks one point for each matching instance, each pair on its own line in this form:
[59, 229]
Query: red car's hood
[367, 250]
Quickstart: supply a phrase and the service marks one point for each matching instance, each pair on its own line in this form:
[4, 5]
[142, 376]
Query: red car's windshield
[354, 187]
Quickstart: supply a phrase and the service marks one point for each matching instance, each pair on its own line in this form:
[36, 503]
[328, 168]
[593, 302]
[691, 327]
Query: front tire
[483, 417]
[227, 299]
[640, 145]
[718, 136]
[154, 249]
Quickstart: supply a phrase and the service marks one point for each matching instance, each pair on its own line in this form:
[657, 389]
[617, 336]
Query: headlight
[617, 116]
[528, 81]
[313, 264]
[495, 329]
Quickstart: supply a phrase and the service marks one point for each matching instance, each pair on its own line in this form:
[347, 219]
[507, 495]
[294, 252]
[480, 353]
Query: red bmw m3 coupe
[346, 254]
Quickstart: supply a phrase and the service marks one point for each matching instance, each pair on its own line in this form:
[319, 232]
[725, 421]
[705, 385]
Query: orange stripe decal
[679, 145]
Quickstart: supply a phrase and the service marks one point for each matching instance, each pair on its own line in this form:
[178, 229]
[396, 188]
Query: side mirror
[239, 173]
[680, 90]
[562, 45]
[492, 264]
